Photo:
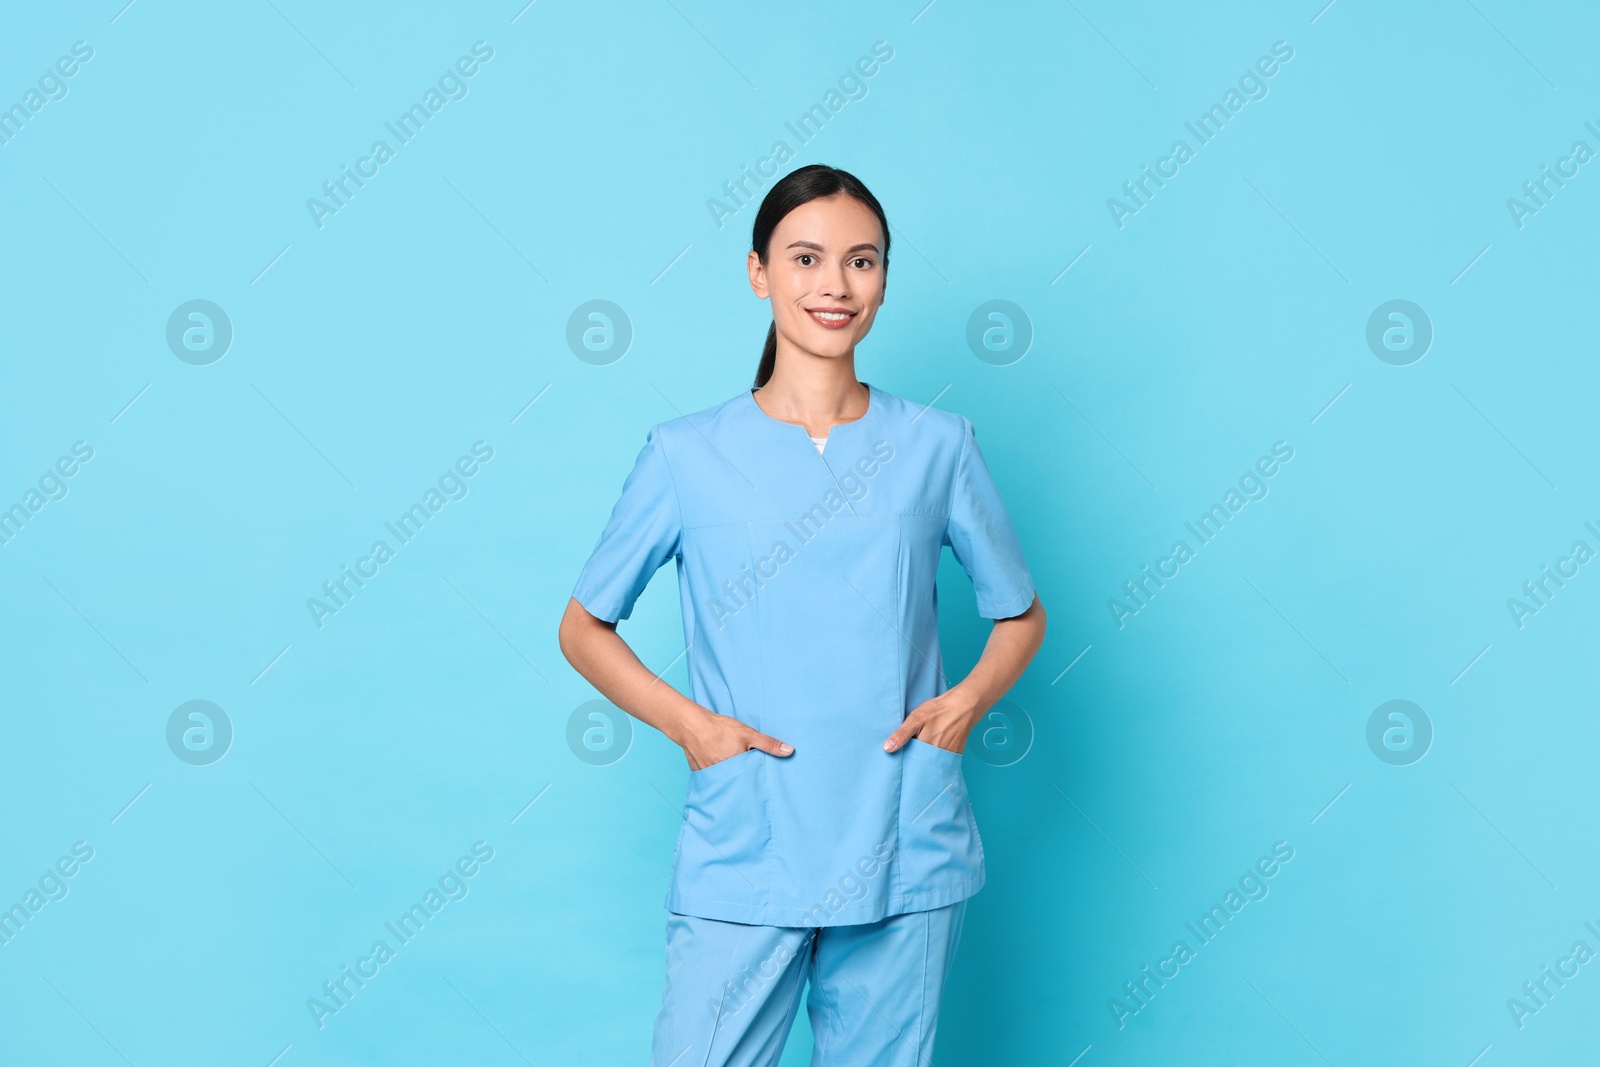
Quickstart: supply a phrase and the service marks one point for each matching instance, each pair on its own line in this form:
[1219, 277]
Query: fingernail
[786, 749]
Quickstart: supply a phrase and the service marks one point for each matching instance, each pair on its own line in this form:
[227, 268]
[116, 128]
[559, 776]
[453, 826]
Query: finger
[770, 745]
[907, 731]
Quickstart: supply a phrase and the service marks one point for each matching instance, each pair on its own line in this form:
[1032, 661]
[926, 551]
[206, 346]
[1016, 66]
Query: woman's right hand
[712, 738]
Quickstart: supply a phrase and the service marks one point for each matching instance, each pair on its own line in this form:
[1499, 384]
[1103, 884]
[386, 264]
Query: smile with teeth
[832, 318]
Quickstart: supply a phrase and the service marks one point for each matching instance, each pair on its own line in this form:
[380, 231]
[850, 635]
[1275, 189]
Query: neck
[814, 391]
[815, 401]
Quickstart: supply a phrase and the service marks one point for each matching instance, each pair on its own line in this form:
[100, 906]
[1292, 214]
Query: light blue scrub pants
[733, 990]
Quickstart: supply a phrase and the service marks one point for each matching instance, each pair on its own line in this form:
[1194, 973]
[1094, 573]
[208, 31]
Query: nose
[835, 282]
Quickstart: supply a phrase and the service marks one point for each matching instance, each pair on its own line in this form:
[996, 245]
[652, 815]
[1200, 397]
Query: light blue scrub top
[810, 612]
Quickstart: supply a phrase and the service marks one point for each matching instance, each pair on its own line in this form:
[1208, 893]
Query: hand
[944, 722]
[712, 738]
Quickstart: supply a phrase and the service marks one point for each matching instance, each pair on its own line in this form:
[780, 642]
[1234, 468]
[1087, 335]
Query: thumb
[769, 745]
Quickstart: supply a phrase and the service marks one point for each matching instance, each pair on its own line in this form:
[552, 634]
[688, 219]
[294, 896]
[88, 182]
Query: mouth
[830, 317]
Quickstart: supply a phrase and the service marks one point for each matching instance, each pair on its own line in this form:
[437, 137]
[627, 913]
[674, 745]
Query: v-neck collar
[874, 403]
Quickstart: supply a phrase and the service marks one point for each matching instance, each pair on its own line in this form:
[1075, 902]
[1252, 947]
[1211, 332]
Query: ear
[758, 274]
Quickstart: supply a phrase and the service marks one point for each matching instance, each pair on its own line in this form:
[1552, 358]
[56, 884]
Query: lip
[835, 324]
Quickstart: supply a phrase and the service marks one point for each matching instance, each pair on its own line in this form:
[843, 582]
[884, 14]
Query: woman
[826, 834]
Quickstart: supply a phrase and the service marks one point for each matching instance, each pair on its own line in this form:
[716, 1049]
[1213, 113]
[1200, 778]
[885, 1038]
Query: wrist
[690, 721]
[968, 701]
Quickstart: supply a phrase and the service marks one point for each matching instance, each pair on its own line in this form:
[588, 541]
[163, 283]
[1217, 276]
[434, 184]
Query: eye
[863, 262]
[805, 259]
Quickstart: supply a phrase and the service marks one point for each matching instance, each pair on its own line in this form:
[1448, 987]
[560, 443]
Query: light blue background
[427, 314]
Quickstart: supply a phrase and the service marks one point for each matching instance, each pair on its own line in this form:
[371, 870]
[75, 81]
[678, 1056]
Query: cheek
[873, 302]
[790, 300]
[874, 284]
[864, 320]
[788, 286]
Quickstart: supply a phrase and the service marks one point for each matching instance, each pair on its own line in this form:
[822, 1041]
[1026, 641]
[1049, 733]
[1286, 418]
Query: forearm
[947, 719]
[598, 652]
[1011, 647]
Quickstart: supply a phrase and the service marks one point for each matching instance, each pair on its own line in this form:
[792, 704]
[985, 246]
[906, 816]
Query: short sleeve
[980, 534]
[644, 531]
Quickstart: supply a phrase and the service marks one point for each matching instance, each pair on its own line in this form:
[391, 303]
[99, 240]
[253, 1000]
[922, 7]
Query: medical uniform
[806, 580]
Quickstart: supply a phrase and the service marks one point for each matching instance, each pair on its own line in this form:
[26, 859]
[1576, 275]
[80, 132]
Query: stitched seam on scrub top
[689, 635]
[900, 672]
[677, 498]
[835, 478]
[961, 463]
[789, 518]
[768, 850]
[900, 669]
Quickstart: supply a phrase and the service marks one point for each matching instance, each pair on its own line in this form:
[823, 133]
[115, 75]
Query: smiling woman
[819, 723]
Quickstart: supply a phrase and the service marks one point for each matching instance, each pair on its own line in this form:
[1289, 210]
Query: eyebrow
[855, 248]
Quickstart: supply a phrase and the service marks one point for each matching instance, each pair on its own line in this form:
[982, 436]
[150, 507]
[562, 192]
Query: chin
[835, 348]
[829, 345]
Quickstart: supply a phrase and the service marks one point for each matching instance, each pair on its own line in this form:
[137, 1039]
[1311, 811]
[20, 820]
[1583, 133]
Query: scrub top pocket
[938, 836]
[713, 771]
[726, 827]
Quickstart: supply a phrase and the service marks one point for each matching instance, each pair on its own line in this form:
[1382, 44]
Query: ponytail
[769, 357]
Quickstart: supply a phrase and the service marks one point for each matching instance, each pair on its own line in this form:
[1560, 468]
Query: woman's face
[824, 275]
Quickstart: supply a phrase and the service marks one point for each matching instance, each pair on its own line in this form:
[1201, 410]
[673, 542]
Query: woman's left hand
[944, 722]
